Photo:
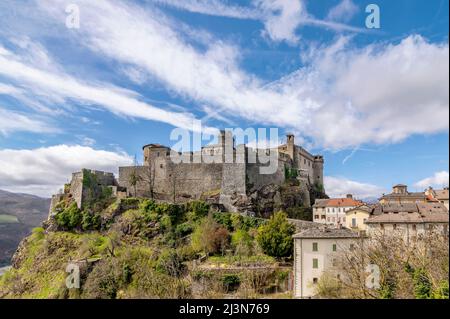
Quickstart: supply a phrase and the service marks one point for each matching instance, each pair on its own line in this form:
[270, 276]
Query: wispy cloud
[343, 97]
[12, 121]
[281, 18]
[344, 11]
[62, 86]
[212, 7]
[439, 179]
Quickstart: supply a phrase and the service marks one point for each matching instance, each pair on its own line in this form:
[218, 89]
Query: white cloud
[378, 94]
[43, 171]
[60, 86]
[340, 187]
[11, 121]
[212, 7]
[344, 97]
[344, 11]
[439, 179]
[281, 18]
[87, 141]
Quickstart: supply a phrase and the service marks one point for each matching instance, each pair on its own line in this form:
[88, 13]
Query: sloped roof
[418, 195]
[343, 202]
[321, 203]
[326, 232]
[363, 207]
[409, 213]
[154, 146]
[441, 194]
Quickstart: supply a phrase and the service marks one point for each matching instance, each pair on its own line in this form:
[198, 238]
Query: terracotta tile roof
[343, 202]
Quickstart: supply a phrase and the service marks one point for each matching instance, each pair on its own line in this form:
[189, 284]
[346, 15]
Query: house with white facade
[333, 211]
[316, 251]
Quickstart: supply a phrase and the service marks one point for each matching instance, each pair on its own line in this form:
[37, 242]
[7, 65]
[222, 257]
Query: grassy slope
[8, 219]
[129, 262]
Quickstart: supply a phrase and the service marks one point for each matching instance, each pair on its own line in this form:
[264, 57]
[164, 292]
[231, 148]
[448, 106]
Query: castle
[227, 183]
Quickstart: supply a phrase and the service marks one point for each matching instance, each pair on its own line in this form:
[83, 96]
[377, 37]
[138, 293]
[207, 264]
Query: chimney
[349, 196]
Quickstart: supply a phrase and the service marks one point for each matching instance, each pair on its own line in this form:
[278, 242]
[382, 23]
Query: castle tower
[290, 143]
[318, 170]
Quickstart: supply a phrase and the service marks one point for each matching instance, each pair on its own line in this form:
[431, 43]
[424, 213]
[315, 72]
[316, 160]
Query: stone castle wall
[187, 180]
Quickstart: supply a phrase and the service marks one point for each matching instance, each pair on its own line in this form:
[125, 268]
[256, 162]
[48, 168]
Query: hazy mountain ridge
[30, 211]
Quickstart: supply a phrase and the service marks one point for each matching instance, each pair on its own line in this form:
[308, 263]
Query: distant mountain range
[19, 214]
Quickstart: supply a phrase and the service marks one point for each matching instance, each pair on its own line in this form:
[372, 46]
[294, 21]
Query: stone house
[401, 195]
[409, 219]
[438, 195]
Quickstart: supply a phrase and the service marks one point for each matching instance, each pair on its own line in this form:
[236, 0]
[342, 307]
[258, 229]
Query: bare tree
[406, 269]
[148, 177]
[134, 178]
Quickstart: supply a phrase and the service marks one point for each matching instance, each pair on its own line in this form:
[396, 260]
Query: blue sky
[373, 102]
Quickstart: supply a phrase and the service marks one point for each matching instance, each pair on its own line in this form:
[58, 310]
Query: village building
[438, 195]
[409, 220]
[333, 211]
[401, 195]
[356, 217]
[317, 250]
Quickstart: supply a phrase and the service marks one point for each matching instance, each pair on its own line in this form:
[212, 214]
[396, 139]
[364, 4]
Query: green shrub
[422, 284]
[230, 282]
[38, 233]
[275, 237]
[210, 237]
[442, 291]
[196, 210]
[69, 218]
[184, 229]
[90, 221]
[224, 219]
[170, 262]
[242, 242]
[166, 223]
[147, 206]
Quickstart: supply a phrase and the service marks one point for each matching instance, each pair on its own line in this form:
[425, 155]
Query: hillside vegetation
[136, 248]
